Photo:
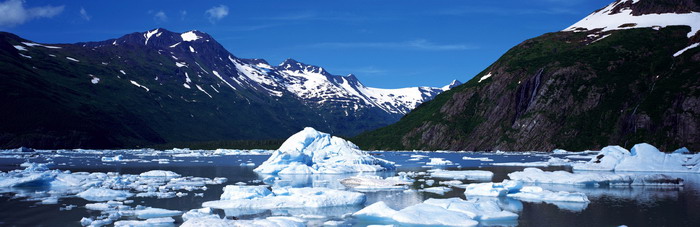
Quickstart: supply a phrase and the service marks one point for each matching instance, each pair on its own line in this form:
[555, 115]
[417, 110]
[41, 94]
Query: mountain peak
[453, 84]
[294, 65]
[628, 14]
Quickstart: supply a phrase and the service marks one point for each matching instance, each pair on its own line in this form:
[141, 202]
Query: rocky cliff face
[576, 89]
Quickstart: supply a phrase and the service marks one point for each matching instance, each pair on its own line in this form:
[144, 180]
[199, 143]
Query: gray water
[631, 206]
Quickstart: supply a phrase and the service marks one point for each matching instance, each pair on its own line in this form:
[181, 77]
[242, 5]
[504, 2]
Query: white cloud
[84, 14]
[217, 13]
[160, 16]
[13, 12]
[419, 44]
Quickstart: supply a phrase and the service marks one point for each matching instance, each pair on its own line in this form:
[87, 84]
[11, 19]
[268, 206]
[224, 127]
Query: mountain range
[159, 86]
[625, 74]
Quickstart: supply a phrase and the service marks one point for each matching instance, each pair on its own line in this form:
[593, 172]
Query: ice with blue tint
[641, 158]
[313, 152]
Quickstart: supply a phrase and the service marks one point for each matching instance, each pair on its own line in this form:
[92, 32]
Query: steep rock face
[160, 86]
[573, 90]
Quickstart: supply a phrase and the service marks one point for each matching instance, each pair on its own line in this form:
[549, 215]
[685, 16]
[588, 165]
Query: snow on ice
[313, 152]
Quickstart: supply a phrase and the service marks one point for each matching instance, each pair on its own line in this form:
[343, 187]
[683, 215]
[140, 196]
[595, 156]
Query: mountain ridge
[160, 86]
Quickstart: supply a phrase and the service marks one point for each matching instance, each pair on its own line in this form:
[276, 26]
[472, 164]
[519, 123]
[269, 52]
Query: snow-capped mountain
[627, 73]
[312, 84]
[187, 87]
[629, 14]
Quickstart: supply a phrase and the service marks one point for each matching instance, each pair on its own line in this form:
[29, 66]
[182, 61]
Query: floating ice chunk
[378, 210]
[642, 158]
[439, 162]
[374, 183]
[311, 151]
[438, 190]
[150, 212]
[553, 161]
[514, 189]
[155, 222]
[232, 192]
[104, 194]
[112, 159]
[534, 175]
[199, 213]
[485, 189]
[160, 173]
[537, 194]
[606, 160]
[267, 222]
[426, 214]
[293, 198]
[645, 157]
[479, 175]
[483, 159]
[482, 210]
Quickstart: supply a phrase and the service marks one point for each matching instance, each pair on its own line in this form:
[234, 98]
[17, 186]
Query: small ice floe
[481, 159]
[269, 221]
[441, 212]
[314, 152]
[516, 190]
[112, 211]
[51, 185]
[116, 158]
[642, 158]
[439, 162]
[167, 221]
[437, 190]
[477, 175]
[288, 198]
[160, 173]
[375, 183]
[534, 175]
[553, 161]
[104, 194]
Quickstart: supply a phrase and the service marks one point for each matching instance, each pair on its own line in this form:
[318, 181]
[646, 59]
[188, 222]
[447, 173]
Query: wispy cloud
[183, 14]
[13, 12]
[366, 70]
[160, 17]
[506, 11]
[419, 44]
[84, 14]
[217, 13]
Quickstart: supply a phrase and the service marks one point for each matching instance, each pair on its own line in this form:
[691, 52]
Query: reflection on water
[609, 206]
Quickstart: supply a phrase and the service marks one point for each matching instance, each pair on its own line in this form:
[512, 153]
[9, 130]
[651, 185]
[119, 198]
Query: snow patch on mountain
[608, 19]
[189, 36]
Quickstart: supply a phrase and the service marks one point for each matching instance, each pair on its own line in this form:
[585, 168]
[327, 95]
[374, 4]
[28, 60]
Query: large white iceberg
[310, 151]
[642, 158]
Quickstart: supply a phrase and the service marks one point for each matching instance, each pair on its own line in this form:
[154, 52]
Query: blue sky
[386, 43]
